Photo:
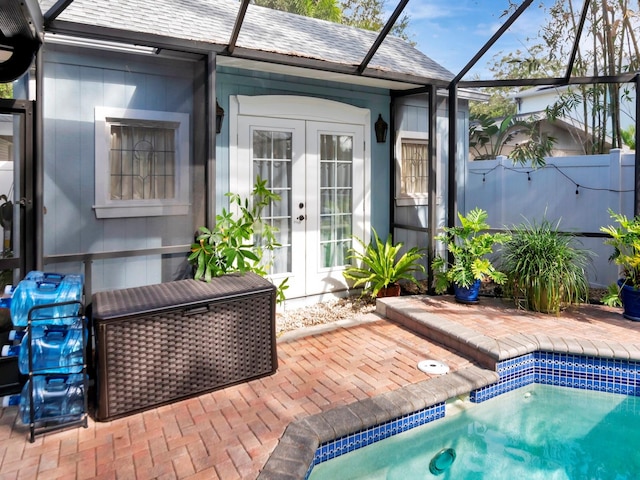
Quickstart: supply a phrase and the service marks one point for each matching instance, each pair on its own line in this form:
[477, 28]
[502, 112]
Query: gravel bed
[322, 313]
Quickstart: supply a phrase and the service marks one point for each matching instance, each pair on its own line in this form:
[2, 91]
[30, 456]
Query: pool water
[535, 432]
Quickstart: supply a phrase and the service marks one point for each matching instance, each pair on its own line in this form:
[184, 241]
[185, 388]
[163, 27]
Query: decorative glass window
[142, 163]
[412, 176]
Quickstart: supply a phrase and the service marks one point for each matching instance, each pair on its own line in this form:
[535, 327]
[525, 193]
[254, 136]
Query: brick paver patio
[230, 433]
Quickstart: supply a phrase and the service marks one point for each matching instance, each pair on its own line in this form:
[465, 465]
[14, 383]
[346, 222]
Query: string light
[528, 173]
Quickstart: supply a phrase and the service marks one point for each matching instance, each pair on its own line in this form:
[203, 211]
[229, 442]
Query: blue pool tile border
[564, 370]
[362, 438]
[548, 368]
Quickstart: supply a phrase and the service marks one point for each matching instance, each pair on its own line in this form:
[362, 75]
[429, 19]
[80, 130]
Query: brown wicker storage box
[160, 343]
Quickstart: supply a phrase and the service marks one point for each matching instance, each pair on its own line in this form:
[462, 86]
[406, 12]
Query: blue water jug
[5, 299]
[16, 335]
[54, 348]
[57, 398]
[40, 288]
[10, 351]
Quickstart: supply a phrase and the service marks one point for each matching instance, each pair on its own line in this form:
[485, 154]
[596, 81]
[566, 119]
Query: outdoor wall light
[219, 117]
[381, 128]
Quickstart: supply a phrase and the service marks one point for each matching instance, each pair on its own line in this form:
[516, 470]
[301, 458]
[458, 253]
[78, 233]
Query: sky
[452, 32]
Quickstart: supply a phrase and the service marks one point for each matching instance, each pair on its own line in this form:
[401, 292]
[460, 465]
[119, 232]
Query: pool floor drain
[433, 366]
[442, 460]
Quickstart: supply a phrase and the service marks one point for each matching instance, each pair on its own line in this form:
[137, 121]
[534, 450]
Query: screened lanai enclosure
[356, 130]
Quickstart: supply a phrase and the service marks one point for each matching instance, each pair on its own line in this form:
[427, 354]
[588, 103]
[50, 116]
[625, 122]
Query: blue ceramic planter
[467, 294]
[630, 301]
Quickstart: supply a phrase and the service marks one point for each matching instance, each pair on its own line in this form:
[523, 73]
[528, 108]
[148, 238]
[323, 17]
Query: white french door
[335, 201]
[317, 168]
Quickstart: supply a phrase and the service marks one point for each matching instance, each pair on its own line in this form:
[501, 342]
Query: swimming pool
[534, 432]
[608, 375]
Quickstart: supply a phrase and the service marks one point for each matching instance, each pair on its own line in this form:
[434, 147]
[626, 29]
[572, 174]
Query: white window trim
[107, 208]
[407, 199]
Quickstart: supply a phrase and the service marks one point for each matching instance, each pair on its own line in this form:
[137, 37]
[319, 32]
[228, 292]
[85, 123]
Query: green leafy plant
[488, 137]
[469, 244]
[625, 240]
[242, 243]
[629, 137]
[545, 267]
[378, 265]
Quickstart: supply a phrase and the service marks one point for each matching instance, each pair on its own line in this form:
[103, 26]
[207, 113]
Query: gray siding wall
[75, 82]
[412, 115]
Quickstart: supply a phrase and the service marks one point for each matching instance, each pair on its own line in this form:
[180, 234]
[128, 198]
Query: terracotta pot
[390, 291]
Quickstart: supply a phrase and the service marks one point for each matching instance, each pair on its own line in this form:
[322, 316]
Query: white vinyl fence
[576, 191]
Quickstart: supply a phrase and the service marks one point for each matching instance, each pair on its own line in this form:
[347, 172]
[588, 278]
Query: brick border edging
[295, 452]
[489, 351]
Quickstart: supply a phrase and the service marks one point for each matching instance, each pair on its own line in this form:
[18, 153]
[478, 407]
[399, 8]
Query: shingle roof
[263, 30]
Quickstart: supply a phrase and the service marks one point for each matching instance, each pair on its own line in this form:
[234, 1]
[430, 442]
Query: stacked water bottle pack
[49, 339]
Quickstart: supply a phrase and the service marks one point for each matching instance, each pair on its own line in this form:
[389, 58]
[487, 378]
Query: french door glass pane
[336, 199]
[272, 155]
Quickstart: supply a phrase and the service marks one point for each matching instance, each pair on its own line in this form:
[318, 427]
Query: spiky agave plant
[378, 266]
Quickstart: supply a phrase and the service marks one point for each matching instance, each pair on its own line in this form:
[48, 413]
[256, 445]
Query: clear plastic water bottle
[57, 398]
[54, 348]
[39, 289]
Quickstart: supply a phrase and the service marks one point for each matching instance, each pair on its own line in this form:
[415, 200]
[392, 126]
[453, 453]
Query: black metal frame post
[636, 199]
[432, 156]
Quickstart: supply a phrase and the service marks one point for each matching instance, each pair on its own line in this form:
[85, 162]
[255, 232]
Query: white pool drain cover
[433, 367]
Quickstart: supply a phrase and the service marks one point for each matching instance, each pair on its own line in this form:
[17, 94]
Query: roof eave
[74, 29]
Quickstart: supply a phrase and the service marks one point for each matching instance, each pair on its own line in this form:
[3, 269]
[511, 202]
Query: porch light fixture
[381, 128]
[219, 117]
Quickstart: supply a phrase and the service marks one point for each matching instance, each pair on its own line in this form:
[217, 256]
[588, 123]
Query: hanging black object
[21, 27]
[219, 117]
[381, 128]
[6, 214]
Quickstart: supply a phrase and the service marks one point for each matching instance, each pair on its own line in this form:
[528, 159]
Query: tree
[489, 138]
[518, 64]
[6, 90]
[324, 9]
[365, 14]
[609, 46]
[629, 137]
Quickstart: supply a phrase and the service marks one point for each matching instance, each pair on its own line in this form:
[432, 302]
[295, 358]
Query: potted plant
[468, 244]
[379, 269]
[545, 268]
[625, 239]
